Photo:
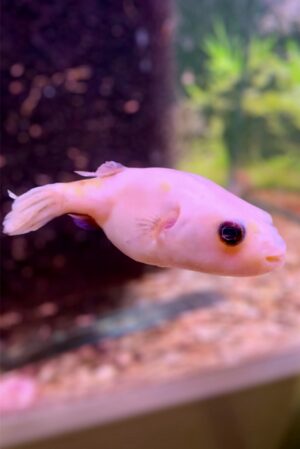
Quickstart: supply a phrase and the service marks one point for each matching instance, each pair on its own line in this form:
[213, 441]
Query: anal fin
[84, 222]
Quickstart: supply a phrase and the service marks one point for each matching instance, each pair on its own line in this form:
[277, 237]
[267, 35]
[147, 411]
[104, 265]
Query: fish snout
[275, 248]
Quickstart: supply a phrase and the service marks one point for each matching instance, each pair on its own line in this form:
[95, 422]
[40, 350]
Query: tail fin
[33, 209]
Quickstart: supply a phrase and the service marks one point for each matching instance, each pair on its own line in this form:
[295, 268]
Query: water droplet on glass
[142, 37]
[17, 70]
[131, 106]
[15, 87]
[35, 131]
[49, 91]
[145, 65]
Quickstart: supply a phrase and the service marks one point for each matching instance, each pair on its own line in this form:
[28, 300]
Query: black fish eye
[231, 233]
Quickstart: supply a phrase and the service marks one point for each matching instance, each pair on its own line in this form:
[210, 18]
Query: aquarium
[105, 336]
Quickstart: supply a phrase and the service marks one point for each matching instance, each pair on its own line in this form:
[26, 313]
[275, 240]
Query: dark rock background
[82, 82]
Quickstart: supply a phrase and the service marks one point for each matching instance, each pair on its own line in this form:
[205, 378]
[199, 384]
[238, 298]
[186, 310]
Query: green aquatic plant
[251, 89]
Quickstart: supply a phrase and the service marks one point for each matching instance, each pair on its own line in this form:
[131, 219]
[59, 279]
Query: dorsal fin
[109, 168]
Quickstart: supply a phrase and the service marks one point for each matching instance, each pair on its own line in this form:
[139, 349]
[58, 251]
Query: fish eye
[231, 233]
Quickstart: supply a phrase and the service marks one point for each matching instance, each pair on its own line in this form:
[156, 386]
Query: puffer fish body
[160, 216]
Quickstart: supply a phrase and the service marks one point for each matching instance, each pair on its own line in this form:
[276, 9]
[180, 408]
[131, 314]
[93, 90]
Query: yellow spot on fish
[80, 186]
[79, 189]
[165, 187]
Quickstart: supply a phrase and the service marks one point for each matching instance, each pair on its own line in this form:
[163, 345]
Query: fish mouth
[275, 259]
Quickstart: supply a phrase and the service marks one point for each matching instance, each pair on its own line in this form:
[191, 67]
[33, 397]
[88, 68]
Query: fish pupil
[231, 233]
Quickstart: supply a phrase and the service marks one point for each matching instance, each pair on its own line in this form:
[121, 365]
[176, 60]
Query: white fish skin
[161, 217]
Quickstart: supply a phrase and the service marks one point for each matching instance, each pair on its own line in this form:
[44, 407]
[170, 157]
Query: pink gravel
[17, 392]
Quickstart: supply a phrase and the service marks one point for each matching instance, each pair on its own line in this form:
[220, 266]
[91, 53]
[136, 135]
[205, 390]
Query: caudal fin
[33, 209]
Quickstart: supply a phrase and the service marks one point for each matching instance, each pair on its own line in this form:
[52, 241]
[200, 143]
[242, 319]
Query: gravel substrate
[251, 317]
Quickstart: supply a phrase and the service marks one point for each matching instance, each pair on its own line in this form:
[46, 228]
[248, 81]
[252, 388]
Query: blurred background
[238, 69]
[207, 86]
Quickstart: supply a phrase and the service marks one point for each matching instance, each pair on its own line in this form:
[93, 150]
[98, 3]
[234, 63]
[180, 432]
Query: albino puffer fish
[159, 216]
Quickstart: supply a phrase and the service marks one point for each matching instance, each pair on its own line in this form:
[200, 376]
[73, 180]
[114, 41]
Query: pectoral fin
[156, 226]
